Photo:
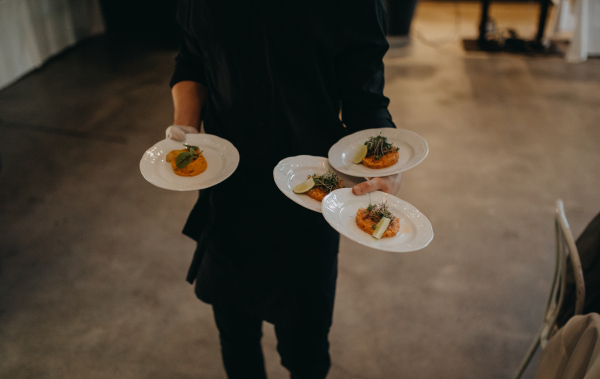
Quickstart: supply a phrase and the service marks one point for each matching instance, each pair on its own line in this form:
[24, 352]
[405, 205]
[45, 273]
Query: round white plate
[340, 207]
[293, 170]
[221, 156]
[413, 149]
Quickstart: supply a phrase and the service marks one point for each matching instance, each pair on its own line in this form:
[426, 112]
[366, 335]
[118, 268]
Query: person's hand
[178, 132]
[388, 184]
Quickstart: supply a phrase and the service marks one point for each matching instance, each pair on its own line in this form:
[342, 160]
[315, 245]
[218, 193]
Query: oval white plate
[221, 156]
[292, 171]
[413, 149]
[340, 207]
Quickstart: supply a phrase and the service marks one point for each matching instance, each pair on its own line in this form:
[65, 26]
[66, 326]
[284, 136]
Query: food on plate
[381, 227]
[378, 221]
[318, 186]
[324, 185]
[380, 153]
[361, 153]
[305, 186]
[188, 161]
[173, 154]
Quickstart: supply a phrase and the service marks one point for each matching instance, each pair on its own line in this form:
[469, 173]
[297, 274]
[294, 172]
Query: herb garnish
[378, 146]
[186, 157]
[378, 211]
[329, 181]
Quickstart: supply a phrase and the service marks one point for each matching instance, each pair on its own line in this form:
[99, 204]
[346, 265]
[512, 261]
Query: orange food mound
[387, 160]
[319, 193]
[364, 222]
[196, 167]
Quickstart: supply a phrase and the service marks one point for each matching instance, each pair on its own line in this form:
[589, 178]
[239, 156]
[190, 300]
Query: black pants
[302, 345]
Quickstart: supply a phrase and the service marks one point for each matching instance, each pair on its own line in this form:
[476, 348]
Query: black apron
[261, 252]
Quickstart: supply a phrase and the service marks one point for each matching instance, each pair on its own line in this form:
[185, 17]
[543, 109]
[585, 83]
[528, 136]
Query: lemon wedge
[361, 152]
[381, 227]
[305, 186]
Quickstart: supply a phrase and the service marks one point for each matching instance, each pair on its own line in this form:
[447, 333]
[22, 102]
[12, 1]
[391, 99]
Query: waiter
[272, 76]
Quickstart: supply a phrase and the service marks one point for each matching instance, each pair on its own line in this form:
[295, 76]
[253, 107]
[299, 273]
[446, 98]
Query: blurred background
[92, 262]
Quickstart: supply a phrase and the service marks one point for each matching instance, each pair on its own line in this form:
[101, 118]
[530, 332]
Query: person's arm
[188, 100]
[360, 68]
[188, 83]
[359, 64]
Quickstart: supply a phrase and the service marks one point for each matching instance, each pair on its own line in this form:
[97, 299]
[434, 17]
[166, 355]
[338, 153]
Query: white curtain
[580, 21]
[586, 40]
[31, 31]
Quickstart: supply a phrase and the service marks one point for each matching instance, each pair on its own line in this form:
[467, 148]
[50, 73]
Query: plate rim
[326, 215]
[375, 172]
[291, 158]
[234, 163]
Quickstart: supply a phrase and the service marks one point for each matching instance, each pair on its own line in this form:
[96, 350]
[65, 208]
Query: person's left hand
[388, 184]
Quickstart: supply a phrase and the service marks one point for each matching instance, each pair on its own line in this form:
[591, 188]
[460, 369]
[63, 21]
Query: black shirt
[278, 73]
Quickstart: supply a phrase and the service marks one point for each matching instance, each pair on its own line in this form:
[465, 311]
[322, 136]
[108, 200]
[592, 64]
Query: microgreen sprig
[328, 181]
[378, 211]
[378, 146]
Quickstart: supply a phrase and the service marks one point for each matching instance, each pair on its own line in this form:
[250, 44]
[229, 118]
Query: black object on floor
[491, 40]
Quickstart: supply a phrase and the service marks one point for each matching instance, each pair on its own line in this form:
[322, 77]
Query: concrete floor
[92, 262]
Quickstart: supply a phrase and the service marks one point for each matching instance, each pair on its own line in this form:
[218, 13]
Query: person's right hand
[388, 184]
[178, 132]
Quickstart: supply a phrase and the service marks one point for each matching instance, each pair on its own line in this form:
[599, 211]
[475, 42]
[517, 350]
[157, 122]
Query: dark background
[150, 21]
[155, 21]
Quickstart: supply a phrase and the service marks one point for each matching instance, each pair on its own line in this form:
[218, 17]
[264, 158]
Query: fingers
[187, 129]
[178, 132]
[174, 133]
[389, 184]
[368, 186]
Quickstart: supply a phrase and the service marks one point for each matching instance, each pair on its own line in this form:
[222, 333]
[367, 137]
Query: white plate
[221, 156]
[413, 149]
[293, 170]
[340, 207]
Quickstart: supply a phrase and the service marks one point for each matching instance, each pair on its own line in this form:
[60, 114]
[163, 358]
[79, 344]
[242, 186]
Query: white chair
[565, 250]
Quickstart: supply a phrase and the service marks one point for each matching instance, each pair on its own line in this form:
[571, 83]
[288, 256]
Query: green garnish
[378, 146]
[379, 211]
[328, 181]
[187, 157]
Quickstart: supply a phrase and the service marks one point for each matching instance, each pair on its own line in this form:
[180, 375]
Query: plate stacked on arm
[414, 231]
[412, 150]
[292, 171]
[221, 156]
